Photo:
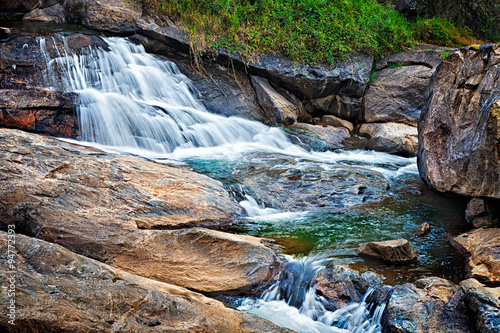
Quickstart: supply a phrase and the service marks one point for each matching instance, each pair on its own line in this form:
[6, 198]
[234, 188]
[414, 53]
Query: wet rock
[38, 110]
[393, 138]
[484, 303]
[53, 14]
[481, 213]
[342, 285]
[458, 131]
[58, 290]
[397, 95]
[330, 120]
[4, 33]
[483, 248]
[346, 77]
[429, 305]
[284, 183]
[115, 209]
[398, 251]
[278, 110]
[422, 230]
[333, 136]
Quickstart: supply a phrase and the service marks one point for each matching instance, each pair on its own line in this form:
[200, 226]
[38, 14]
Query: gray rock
[334, 137]
[338, 122]
[53, 14]
[342, 285]
[422, 55]
[430, 305]
[398, 251]
[397, 95]
[484, 303]
[459, 129]
[393, 138]
[117, 16]
[278, 110]
[341, 106]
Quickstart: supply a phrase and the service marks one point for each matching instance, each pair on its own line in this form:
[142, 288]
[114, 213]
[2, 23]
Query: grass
[309, 31]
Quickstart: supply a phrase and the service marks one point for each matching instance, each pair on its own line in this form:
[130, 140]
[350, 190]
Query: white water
[133, 102]
[292, 302]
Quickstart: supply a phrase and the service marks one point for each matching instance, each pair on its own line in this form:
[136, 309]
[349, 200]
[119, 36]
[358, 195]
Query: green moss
[495, 112]
[440, 31]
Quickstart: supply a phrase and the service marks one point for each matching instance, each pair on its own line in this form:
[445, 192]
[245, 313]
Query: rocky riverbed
[107, 242]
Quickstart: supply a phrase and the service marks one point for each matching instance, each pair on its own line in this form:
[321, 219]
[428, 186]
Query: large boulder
[115, 209]
[459, 130]
[484, 304]
[53, 14]
[429, 305]
[482, 212]
[57, 290]
[391, 137]
[398, 251]
[333, 136]
[118, 16]
[483, 247]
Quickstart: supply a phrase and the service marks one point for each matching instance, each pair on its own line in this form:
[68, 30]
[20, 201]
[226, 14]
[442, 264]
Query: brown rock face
[481, 213]
[393, 138]
[396, 251]
[484, 303]
[57, 290]
[483, 246]
[430, 305]
[99, 205]
[458, 132]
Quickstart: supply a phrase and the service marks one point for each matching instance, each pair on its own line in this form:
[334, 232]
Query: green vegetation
[319, 30]
[307, 30]
[445, 54]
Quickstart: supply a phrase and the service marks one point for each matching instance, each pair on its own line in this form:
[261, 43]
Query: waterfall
[292, 302]
[133, 102]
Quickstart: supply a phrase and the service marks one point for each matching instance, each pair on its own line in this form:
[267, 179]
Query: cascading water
[130, 101]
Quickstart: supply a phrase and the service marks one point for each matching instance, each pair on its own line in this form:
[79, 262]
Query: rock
[421, 55]
[117, 16]
[429, 305]
[277, 108]
[283, 183]
[53, 14]
[483, 248]
[39, 110]
[333, 137]
[345, 107]
[397, 95]
[338, 122]
[57, 290]
[396, 251]
[342, 285]
[347, 77]
[458, 131]
[484, 304]
[480, 213]
[405, 6]
[115, 209]
[422, 230]
[393, 138]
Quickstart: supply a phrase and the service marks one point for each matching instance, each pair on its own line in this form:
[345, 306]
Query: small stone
[396, 251]
[423, 229]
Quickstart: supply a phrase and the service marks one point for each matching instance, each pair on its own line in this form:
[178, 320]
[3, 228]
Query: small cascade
[292, 302]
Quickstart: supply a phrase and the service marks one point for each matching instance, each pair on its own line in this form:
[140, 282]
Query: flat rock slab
[430, 305]
[57, 290]
[396, 251]
[106, 207]
[483, 247]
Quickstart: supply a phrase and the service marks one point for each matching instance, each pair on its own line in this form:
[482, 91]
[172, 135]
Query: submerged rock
[459, 130]
[484, 303]
[342, 285]
[483, 247]
[57, 290]
[429, 305]
[398, 251]
[104, 206]
[392, 138]
[283, 183]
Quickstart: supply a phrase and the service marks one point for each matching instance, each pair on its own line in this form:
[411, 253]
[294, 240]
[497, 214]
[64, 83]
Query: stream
[131, 102]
